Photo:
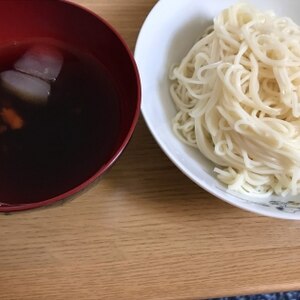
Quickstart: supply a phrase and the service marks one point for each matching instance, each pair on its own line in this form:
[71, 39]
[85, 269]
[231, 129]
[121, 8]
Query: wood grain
[144, 231]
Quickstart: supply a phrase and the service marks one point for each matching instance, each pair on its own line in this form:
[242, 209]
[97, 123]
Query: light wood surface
[144, 231]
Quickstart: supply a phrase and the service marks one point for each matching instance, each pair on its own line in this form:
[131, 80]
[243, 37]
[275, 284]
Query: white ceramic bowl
[168, 33]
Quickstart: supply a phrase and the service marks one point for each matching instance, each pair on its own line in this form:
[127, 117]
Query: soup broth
[57, 145]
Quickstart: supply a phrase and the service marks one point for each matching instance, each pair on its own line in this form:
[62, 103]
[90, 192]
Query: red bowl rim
[109, 163]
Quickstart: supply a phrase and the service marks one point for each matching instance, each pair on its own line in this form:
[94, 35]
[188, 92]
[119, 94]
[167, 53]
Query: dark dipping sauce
[63, 143]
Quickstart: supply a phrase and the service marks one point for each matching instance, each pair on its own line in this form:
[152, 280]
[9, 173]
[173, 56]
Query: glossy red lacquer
[62, 20]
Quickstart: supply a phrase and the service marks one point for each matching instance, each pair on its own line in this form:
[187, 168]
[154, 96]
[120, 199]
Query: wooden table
[144, 231]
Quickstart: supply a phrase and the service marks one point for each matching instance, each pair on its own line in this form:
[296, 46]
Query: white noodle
[237, 92]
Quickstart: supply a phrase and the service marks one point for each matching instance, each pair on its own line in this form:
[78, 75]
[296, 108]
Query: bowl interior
[175, 26]
[87, 33]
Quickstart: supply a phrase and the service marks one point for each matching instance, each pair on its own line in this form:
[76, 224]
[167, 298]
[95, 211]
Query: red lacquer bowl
[81, 29]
